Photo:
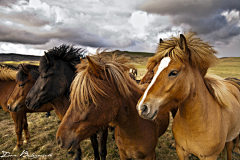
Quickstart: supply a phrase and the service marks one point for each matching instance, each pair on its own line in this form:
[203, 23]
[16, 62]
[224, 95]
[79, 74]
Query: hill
[17, 57]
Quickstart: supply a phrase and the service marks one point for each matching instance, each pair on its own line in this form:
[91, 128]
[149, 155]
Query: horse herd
[88, 95]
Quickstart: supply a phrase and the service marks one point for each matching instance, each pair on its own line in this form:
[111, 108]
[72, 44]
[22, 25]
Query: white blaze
[164, 63]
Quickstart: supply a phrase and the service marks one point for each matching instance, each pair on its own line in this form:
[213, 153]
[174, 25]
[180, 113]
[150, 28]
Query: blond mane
[201, 54]
[7, 73]
[87, 88]
[219, 90]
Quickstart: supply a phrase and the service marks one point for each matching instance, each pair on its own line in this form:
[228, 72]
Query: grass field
[43, 130]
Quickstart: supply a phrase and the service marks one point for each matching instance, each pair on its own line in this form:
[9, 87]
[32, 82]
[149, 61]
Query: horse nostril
[59, 141]
[8, 106]
[144, 109]
[27, 102]
[15, 109]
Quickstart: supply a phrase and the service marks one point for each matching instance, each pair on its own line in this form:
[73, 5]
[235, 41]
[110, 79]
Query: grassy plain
[43, 130]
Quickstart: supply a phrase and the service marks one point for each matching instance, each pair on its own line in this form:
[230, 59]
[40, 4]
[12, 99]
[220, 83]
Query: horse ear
[160, 40]
[48, 58]
[94, 66]
[24, 69]
[183, 43]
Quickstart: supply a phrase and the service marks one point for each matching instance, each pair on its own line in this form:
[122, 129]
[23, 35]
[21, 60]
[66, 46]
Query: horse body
[210, 125]
[209, 107]
[112, 98]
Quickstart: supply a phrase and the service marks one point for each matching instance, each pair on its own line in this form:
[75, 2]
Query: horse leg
[25, 129]
[18, 120]
[229, 147]
[182, 154]
[236, 146]
[95, 146]
[103, 134]
[78, 154]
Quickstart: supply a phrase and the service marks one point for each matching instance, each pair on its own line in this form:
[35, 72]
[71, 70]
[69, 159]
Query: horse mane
[87, 88]
[201, 54]
[67, 53]
[219, 90]
[7, 72]
[22, 75]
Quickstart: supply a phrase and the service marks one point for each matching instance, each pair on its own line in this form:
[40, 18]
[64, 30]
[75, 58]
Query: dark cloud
[189, 7]
[27, 18]
[201, 25]
[15, 35]
[204, 17]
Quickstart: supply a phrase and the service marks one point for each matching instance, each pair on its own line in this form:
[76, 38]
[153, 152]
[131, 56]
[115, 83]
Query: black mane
[67, 53]
[33, 70]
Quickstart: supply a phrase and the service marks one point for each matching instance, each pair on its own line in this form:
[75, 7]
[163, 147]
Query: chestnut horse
[7, 84]
[147, 78]
[208, 115]
[20, 105]
[57, 70]
[102, 93]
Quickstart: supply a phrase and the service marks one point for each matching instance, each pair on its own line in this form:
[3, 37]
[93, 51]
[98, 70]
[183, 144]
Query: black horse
[57, 70]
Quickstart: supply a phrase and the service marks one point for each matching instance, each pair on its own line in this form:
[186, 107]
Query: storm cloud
[136, 25]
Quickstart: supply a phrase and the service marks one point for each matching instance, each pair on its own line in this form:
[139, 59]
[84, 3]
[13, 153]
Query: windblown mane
[8, 72]
[87, 88]
[22, 75]
[67, 53]
[202, 55]
[219, 90]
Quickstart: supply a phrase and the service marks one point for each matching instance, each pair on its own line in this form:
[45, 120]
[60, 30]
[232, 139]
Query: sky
[34, 26]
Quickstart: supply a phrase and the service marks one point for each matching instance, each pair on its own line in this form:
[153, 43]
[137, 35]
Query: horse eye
[173, 73]
[21, 85]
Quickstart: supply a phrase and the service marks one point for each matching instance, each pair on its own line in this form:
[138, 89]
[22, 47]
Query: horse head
[26, 77]
[176, 58]
[57, 68]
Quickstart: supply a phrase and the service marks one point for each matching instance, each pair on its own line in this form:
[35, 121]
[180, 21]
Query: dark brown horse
[102, 93]
[57, 70]
[7, 85]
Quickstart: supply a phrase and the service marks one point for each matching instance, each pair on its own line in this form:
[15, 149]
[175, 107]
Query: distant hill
[17, 57]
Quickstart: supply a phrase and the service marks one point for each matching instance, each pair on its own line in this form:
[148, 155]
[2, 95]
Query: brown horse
[25, 79]
[102, 93]
[7, 85]
[57, 70]
[208, 115]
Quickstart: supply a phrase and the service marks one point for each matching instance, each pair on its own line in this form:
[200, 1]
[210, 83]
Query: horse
[101, 93]
[208, 116]
[57, 69]
[147, 78]
[7, 84]
[20, 107]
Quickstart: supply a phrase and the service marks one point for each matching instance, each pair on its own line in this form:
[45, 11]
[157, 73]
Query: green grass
[227, 67]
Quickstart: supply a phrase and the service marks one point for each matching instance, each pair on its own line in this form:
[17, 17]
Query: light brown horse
[147, 78]
[7, 84]
[209, 108]
[102, 93]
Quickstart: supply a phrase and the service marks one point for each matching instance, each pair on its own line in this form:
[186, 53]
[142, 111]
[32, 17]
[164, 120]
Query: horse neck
[60, 106]
[199, 107]
[6, 88]
[127, 116]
